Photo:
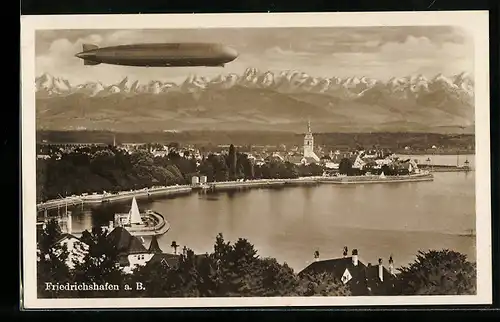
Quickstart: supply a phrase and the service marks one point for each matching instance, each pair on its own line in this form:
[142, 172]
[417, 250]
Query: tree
[239, 271]
[206, 168]
[155, 277]
[220, 169]
[443, 272]
[49, 235]
[321, 284]
[232, 162]
[345, 166]
[386, 170]
[51, 261]
[101, 263]
[271, 278]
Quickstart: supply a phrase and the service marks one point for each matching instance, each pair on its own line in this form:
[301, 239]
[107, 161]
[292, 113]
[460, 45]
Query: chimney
[391, 266]
[345, 252]
[355, 257]
[69, 223]
[316, 256]
[380, 270]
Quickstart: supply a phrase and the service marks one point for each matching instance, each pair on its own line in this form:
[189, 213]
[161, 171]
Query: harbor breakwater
[377, 179]
[445, 168]
[97, 199]
[161, 226]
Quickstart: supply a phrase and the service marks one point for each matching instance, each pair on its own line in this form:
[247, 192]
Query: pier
[162, 227]
[58, 203]
[444, 168]
[377, 179]
[97, 199]
[149, 223]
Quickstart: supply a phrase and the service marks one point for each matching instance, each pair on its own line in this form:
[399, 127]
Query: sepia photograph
[223, 160]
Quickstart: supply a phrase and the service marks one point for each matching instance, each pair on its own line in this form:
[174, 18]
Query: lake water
[291, 223]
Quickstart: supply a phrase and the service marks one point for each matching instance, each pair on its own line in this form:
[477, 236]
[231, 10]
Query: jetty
[149, 223]
[445, 168]
[314, 180]
[97, 199]
[378, 179]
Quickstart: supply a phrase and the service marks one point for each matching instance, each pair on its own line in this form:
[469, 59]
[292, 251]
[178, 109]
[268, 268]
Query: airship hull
[160, 55]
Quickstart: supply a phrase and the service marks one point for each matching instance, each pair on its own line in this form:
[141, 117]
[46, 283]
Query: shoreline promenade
[98, 199]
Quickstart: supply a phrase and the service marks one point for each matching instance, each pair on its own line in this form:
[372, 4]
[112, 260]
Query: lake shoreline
[147, 193]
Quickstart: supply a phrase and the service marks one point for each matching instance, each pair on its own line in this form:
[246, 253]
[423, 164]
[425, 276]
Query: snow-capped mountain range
[285, 82]
[270, 98]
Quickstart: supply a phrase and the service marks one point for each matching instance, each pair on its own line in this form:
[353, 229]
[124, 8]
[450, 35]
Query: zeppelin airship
[159, 55]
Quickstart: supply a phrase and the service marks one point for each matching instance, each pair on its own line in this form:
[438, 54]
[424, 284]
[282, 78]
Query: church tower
[309, 144]
[308, 141]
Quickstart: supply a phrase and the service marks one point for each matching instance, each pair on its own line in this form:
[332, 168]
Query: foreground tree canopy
[442, 272]
[231, 269]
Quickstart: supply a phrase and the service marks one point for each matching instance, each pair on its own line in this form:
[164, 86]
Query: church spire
[308, 125]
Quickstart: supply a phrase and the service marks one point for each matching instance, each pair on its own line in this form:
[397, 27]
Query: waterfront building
[133, 217]
[362, 279]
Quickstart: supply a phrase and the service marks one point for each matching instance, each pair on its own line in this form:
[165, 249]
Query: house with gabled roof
[362, 279]
[131, 251]
[164, 259]
[167, 260]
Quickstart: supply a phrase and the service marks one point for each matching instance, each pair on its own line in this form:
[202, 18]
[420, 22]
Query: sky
[377, 52]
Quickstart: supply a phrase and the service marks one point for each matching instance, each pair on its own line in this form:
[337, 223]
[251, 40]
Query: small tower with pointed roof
[154, 248]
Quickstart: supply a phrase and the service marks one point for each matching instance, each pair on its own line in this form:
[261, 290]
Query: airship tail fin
[90, 62]
[87, 47]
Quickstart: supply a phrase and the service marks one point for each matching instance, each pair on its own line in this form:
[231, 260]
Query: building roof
[65, 236]
[294, 159]
[310, 160]
[364, 278]
[169, 260]
[125, 242]
[335, 266]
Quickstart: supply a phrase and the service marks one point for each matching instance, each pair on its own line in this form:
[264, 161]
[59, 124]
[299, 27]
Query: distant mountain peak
[286, 81]
[259, 100]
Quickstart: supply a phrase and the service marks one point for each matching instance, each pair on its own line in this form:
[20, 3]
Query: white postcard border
[475, 22]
